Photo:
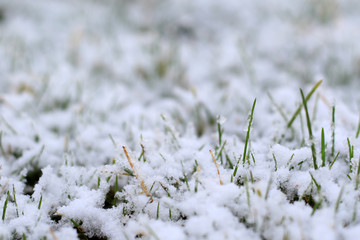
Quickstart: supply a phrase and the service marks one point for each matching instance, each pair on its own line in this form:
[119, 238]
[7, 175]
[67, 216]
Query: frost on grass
[112, 119]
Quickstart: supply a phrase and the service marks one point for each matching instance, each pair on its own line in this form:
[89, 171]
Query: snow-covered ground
[84, 83]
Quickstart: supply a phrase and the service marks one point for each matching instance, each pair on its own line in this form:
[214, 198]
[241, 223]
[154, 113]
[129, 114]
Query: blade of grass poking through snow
[157, 210]
[333, 131]
[288, 162]
[313, 150]
[1, 146]
[79, 229]
[8, 125]
[323, 147]
[315, 107]
[5, 205]
[217, 167]
[142, 154]
[220, 132]
[39, 206]
[220, 152]
[248, 130]
[231, 166]
[278, 108]
[268, 188]
[275, 162]
[116, 189]
[14, 196]
[142, 184]
[357, 176]
[353, 219]
[236, 168]
[338, 200]
[358, 129]
[351, 153]
[247, 192]
[318, 188]
[306, 99]
[113, 141]
[332, 163]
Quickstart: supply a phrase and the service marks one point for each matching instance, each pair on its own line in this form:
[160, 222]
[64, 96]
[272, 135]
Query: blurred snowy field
[84, 82]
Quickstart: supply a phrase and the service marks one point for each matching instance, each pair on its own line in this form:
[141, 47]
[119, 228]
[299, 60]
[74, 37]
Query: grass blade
[333, 131]
[323, 147]
[338, 200]
[39, 206]
[142, 183]
[5, 205]
[313, 150]
[358, 129]
[275, 162]
[248, 130]
[217, 167]
[306, 99]
[278, 108]
[357, 176]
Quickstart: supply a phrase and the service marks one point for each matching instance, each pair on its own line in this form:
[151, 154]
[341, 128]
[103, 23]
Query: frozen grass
[179, 119]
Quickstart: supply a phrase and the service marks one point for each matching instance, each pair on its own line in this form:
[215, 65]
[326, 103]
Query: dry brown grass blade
[142, 184]
[53, 234]
[217, 167]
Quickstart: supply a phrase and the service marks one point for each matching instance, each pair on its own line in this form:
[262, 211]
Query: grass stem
[217, 167]
[142, 184]
[5, 205]
[306, 99]
[323, 147]
[333, 132]
[248, 130]
[313, 150]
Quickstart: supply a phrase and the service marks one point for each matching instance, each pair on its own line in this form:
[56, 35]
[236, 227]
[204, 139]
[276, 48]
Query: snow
[80, 80]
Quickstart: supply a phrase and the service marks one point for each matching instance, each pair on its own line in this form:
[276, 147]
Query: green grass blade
[39, 206]
[157, 210]
[333, 132]
[5, 205]
[313, 150]
[358, 129]
[268, 188]
[278, 108]
[357, 176]
[338, 200]
[248, 130]
[1, 146]
[323, 147]
[275, 162]
[306, 99]
[14, 196]
[236, 167]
